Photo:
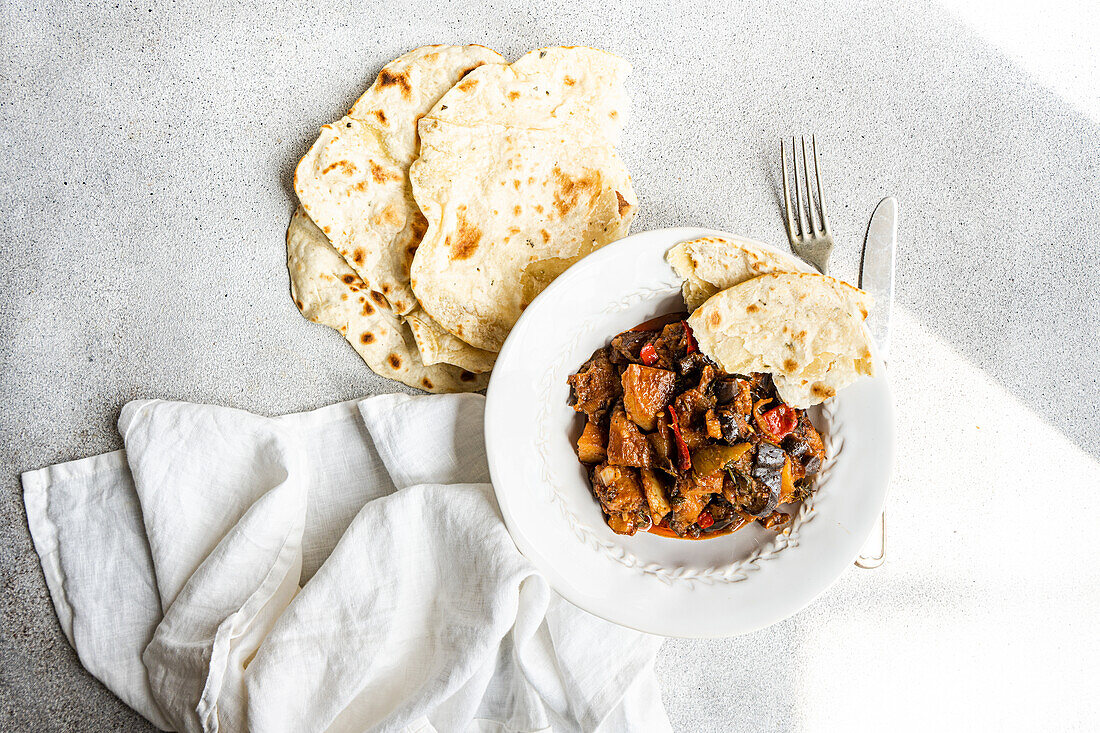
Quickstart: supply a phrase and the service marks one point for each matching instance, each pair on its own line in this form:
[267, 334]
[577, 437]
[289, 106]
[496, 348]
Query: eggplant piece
[669, 347]
[796, 446]
[769, 455]
[691, 363]
[726, 389]
[762, 386]
[685, 512]
[731, 525]
[734, 427]
[720, 509]
[626, 348]
[765, 497]
[812, 466]
[726, 518]
[767, 473]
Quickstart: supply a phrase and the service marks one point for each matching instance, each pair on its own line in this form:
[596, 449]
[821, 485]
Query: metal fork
[810, 242]
[814, 245]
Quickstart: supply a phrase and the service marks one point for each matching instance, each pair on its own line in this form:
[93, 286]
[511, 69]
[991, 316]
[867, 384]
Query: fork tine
[809, 195]
[797, 196]
[786, 191]
[820, 190]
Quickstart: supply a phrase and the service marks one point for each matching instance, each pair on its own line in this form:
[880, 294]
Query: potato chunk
[626, 444]
[686, 512]
[646, 391]
[655, 495]
[590, 446]
[621, 497]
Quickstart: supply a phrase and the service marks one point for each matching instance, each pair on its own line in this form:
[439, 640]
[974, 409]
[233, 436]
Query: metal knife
[876, 274]
[876, 277]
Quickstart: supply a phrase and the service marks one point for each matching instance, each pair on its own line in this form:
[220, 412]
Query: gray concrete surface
[147, 151]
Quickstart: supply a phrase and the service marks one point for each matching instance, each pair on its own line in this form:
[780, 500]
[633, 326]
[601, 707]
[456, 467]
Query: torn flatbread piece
[438, 346]
[711, 264]
[805, 329]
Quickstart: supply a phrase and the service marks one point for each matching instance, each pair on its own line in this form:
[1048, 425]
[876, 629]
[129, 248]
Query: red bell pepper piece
[649, 354]
[705, 520]
[779, 421]
[681, 447]
[692, 345]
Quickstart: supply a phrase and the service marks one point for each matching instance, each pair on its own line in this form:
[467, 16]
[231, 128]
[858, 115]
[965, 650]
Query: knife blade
[876, 277]
[876, 272]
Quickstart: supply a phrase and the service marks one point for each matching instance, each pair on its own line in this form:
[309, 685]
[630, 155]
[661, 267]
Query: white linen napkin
[345, 569]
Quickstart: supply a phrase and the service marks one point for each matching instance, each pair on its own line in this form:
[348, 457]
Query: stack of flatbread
[451, 194]
[757, 310]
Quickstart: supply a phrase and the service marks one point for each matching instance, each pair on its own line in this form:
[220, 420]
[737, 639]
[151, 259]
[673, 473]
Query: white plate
[717, 587]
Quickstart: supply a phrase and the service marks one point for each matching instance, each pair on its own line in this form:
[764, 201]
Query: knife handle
[868, 562]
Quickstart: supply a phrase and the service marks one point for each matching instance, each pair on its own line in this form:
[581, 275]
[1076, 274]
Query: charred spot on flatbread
[387, 78]
[624, 205]
[573, 190]
[465, 240]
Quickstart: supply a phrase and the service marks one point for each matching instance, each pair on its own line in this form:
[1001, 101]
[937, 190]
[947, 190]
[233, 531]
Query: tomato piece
[692, 345]
[779, 421]
[649, 354]
[681, 447]
[705, 520]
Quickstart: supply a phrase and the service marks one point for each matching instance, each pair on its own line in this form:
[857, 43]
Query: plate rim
[661, 238]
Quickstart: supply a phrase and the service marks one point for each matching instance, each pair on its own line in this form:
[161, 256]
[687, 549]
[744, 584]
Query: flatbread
[356, 191]
[327, 291]
[518, 178]
[804, 329]
[353, 182]
[710, 265]
[409, 86]
[438, 346]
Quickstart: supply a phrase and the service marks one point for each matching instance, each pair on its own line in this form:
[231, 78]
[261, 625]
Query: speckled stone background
[147, 153]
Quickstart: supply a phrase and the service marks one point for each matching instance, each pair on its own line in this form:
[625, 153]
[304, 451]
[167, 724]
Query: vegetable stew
[675, 446]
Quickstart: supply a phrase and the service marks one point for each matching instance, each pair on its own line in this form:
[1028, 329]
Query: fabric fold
[345, 569]
[86, 525]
